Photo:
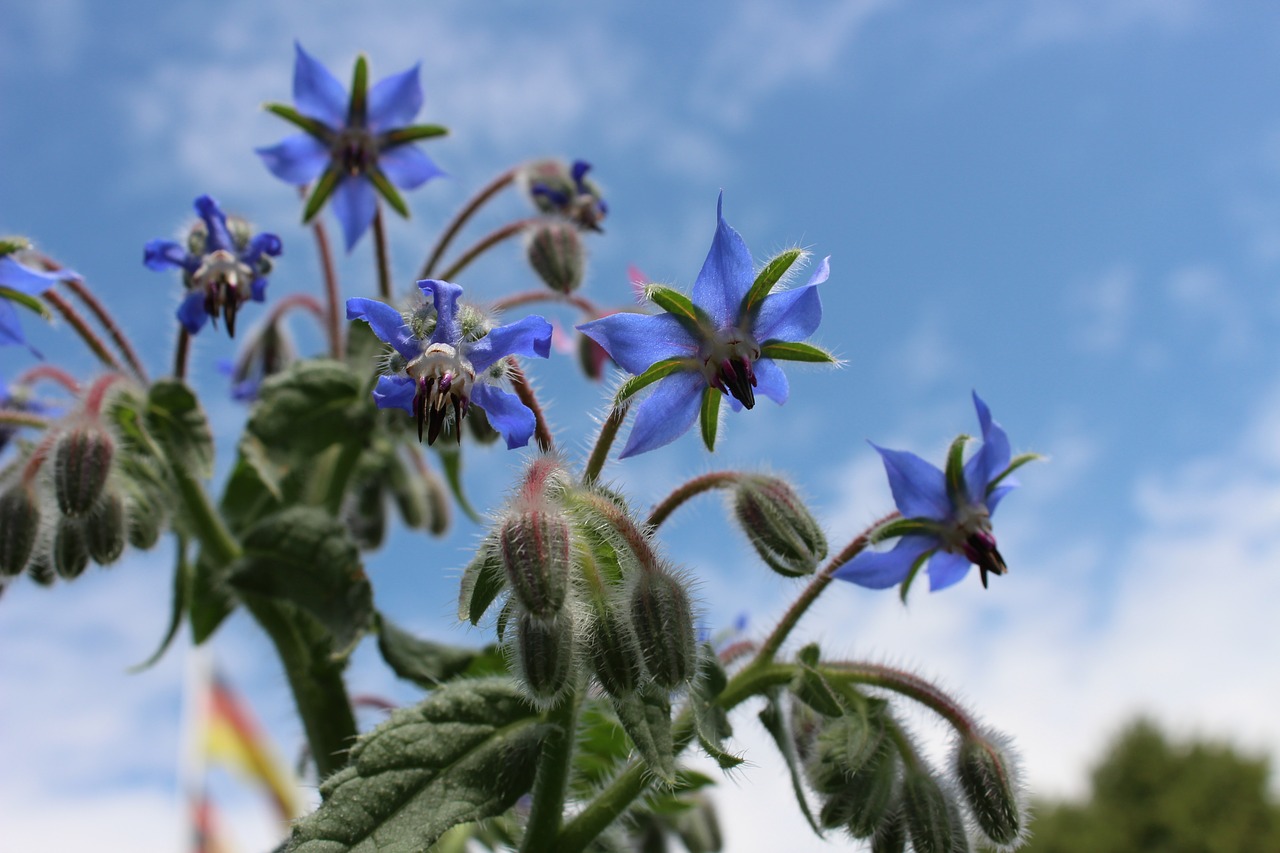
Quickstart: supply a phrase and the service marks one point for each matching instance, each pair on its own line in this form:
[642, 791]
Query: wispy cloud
[1104, 306]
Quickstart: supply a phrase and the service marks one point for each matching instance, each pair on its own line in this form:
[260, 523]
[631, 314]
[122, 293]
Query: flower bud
[931, 814]
[146, 521]
[82, 461]
[544, 654]
[104, 529]
[891, 837]
[855, 765]
[556, 253]
[41, 568]
[663, 620]
[70, 548]
[592, 358]
[698, 826]
[19, 525]
[365, 513]
[780, 527]
[988, 777]
[615, 651]
[534, 544]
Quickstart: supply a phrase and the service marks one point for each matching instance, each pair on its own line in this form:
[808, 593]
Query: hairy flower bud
[780, 527]
[70, 548]
[854, 766]
[19, 525]
[365, 513]
[891, 837]
[104, 529]
[544, 654]
[615, 651]
[146, 521]
[931, 814]
[534, 543]
[556, 253]
[663, 620]
[41, 568]
[988, 777]
[82, 461]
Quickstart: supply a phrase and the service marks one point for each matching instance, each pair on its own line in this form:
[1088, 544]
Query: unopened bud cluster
[383, 477]
[779, 525]
[587, 592]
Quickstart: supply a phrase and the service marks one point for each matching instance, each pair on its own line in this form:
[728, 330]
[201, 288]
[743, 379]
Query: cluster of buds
[572, 204]
[587, 591]
[384, 476]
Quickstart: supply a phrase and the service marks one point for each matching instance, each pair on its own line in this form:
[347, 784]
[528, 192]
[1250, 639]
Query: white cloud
[1220, 319]
[46, 35]
[1105, 307]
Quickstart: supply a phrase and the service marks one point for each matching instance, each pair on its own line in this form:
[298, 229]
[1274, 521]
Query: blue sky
[1072, 207]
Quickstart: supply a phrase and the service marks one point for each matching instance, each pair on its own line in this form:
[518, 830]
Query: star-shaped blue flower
[725, 341]
[355, 147]
[946, 516]
[450, 363]
[20, 283]
[222, 270]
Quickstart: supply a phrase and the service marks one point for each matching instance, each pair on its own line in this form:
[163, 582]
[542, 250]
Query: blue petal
[258, 289]
[395, 100]
[666, 413]
[946, 569]
[407, 166]
[387, 323]
[821, 272]
[297, 159]
[789, 315]
[10, 330]
[513, 420]
[23, 279]
[771, 382]
[354, 203]
[262, 244]
[395, 392]
[316, 92]
[528, 336]
[883, 569]
[164, 254]
[992, 458]
[1007, 485]
[919, 488]
[191, 313]
[579, 171]
[636, 341]
[444, 296]
[726, 273]
[218, 238]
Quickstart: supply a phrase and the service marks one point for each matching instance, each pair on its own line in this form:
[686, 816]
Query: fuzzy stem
[108, 322]
[552, 779]
[48, 371]
[465, 214]
[769, 648]
[909, 685]
[180, 352]
[524, 390]
[98, 393]
[528, 297]
[383, 256]
[293, 301]
[484, 244]
[26, 419]
[604, 441]
[331, 290]
[696, 486]
[72, 316]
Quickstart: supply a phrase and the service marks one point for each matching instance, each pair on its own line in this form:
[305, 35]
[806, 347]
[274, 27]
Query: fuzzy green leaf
[182, 574]
[796, 351]
[176, 422]
[775, 724]
[482, 581]
[310, 406]
[646, 715]
[428, 663]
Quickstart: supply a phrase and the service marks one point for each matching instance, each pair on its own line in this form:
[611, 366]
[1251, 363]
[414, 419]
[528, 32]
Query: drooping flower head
[21, 284]
[946, 515]
[448, 358]
[565, 191]
[725, 341]
[355, 146]
[224, 264]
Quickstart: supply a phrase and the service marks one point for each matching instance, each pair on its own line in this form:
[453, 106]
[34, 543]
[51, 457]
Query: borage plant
[571, 730]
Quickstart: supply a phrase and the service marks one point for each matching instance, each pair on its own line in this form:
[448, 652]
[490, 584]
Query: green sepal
[428, 663]
[710, 720]
[812, 688]
[1018, 461]
[9, 245]
[358, 110]
[709, 416]
[774, 721]
[954, 472]
[482, 581]
[796, 351]
[305, 557]
[312, 126]
[389, 193]
[911, 575]
[412, 133]
[679, 306]
[466, 753]
[905, 527]
[767, 279]
[182, 574]
[320, 192]
[602, 747]
[646, 716]
[26, 300]
[657, 371]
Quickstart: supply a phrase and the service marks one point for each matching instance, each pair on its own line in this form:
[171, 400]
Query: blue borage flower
[355, 147]
[445, 362]
[565, 192]
[222, 266]
[21, 284]
[725, 341]
[946, 515]
[20, 399]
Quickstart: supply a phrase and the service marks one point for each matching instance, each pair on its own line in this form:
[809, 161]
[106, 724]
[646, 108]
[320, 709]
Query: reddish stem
[465, 214]
[484, 244]
[53, 374]
[108, 322]
[72, 316]
[520, 384]
[515, 300]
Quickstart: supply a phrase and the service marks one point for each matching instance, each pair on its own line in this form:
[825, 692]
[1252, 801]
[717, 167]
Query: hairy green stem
[909, 685]
[484, 244]
[604, 441]
[552, 780]
[696, 486]
[477, 201]
[382, 254]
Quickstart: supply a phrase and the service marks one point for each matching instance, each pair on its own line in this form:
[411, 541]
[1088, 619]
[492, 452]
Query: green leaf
[427, 663]
[710, 720]
[310, 406]
[679, 306]
[388, 192]
[412, 133]
[482, 581]
[26, 300]
[656, 371]
[304, 556]
[767, 278]
[182, 576]
[320, 192]
[451, 463]
[796, 351]
[602, 747]
[775, 724]
[315, 127]
[176, 422]
[646, 715]
[466, 753]
[709, 416]
[210, 599]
